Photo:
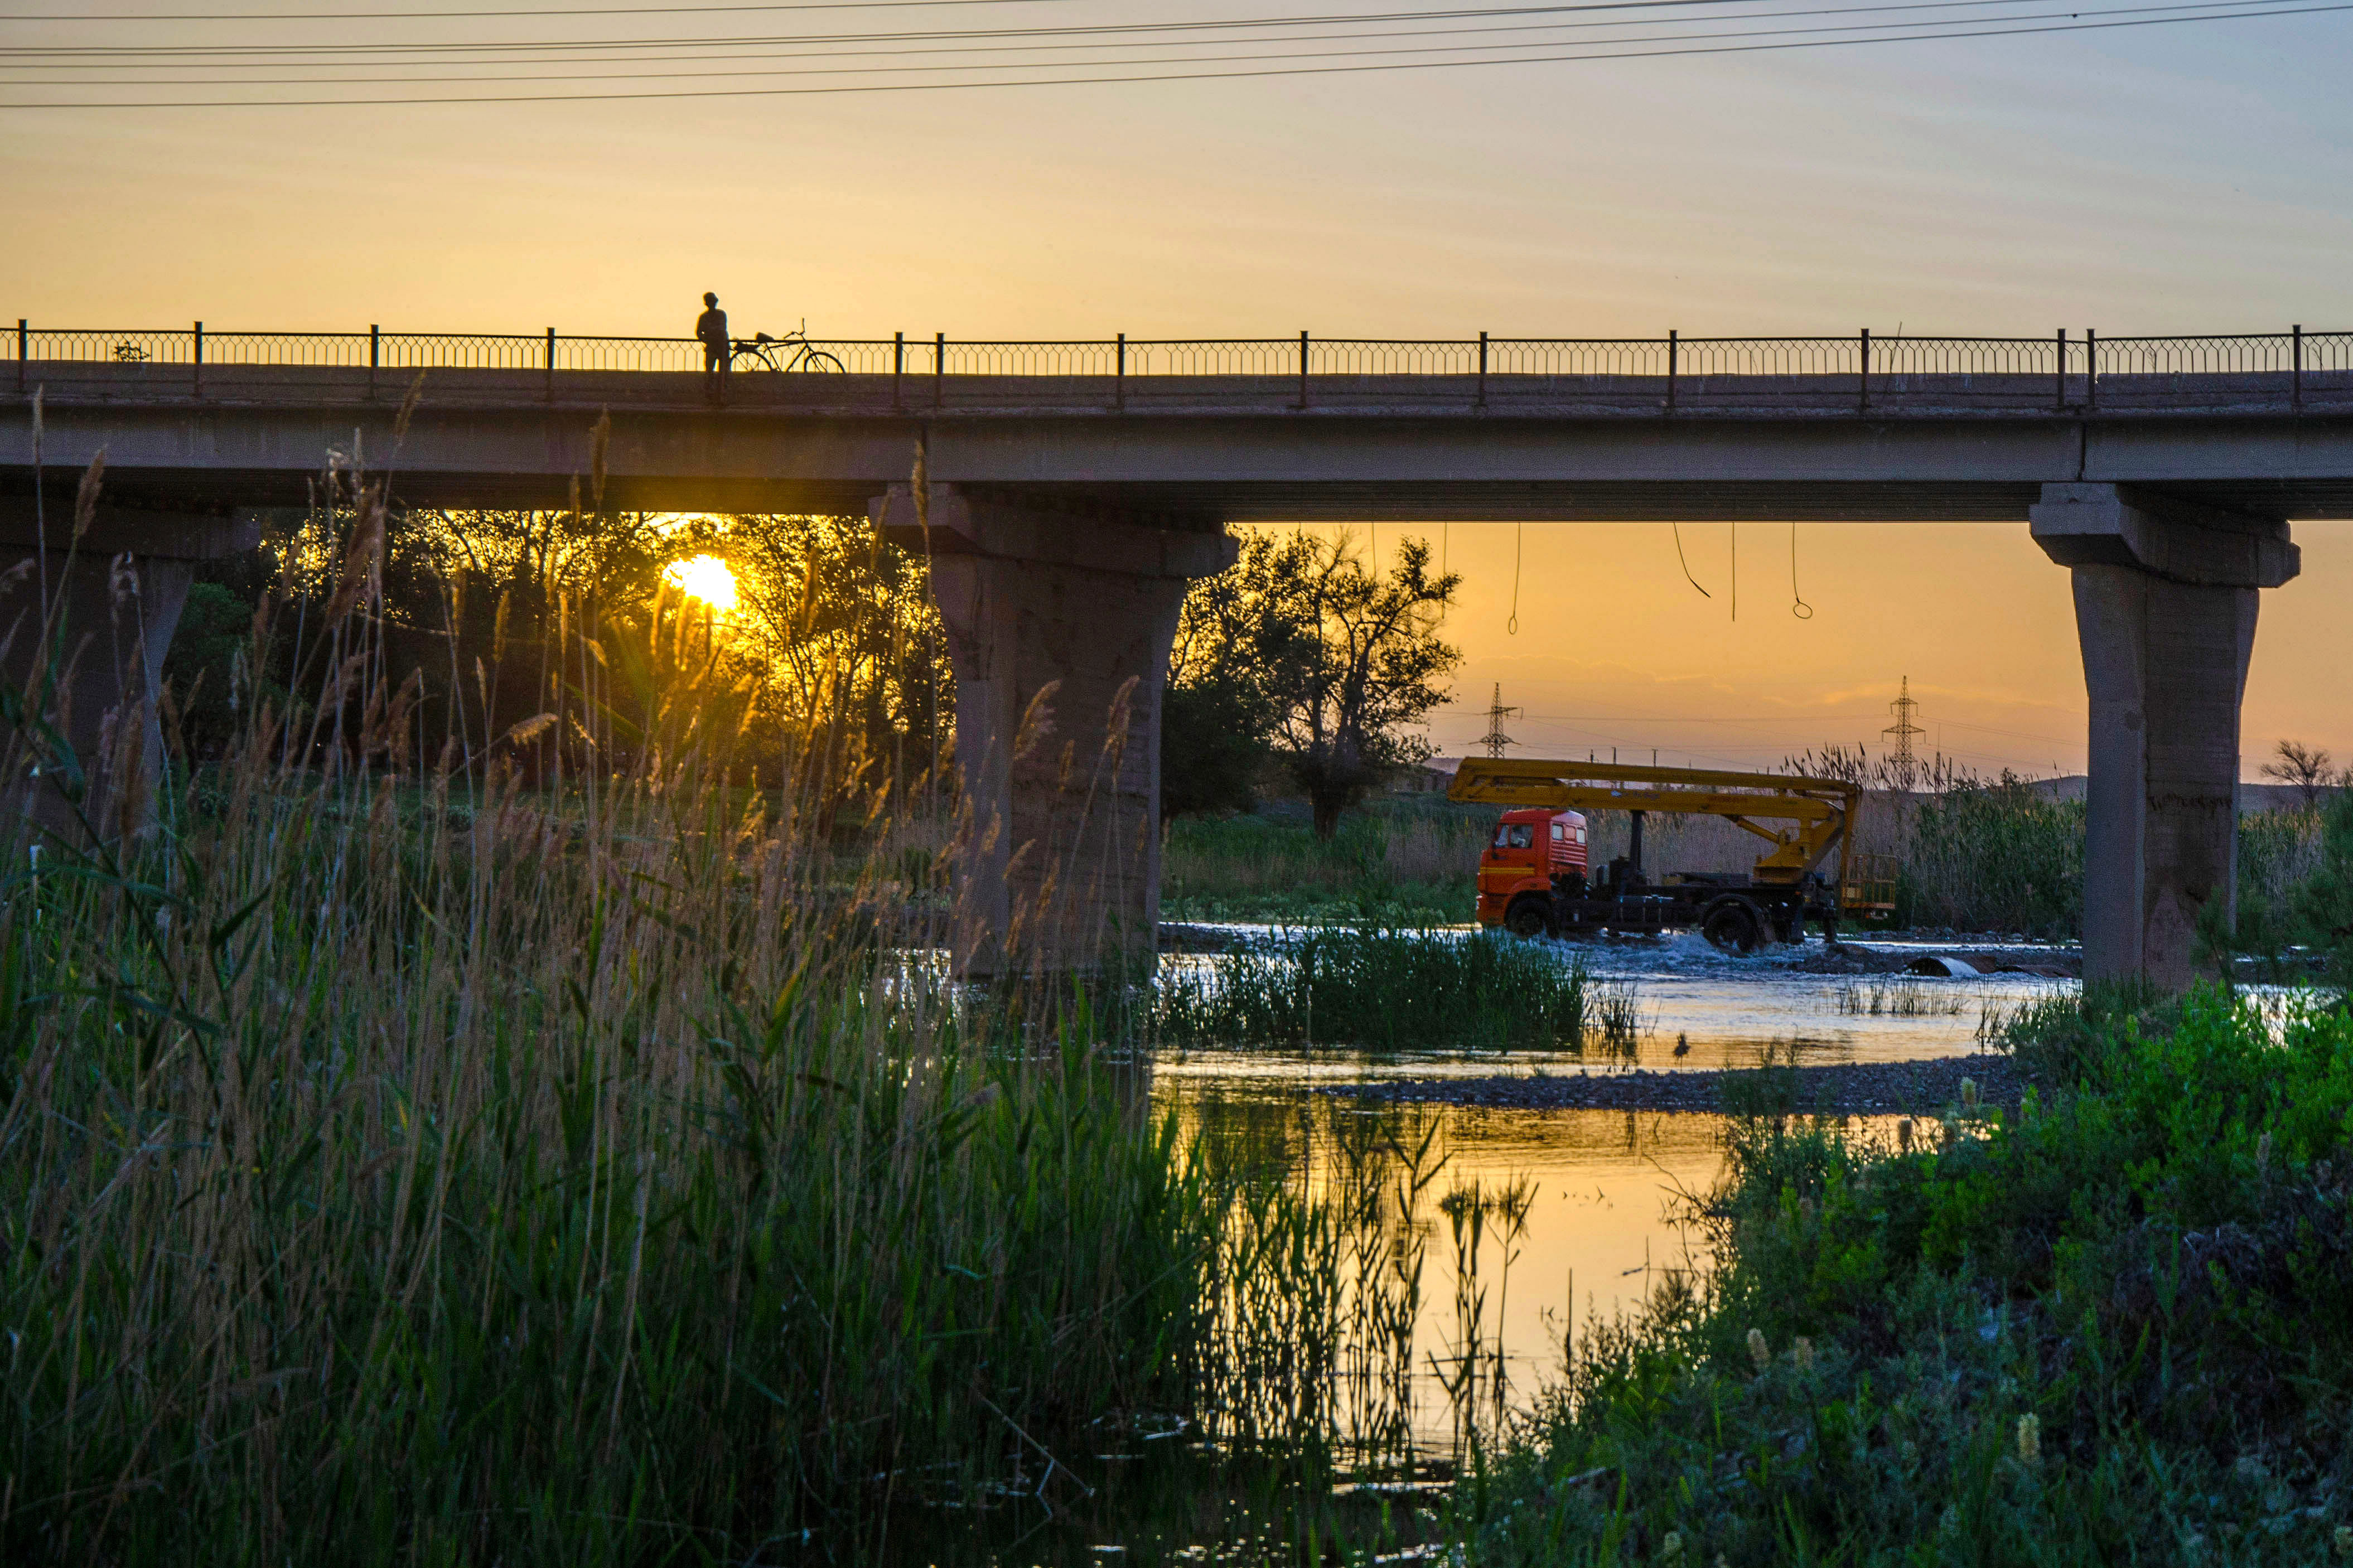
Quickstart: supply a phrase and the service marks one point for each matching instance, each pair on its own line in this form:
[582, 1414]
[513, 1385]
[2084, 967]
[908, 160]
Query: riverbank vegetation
[1374, 989]
[534, 1145]
[2112, 1327]
[1401, 858]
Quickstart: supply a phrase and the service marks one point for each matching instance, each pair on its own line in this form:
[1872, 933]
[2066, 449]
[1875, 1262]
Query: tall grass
[1401, 860]
[1993, 856]
[396, 1169]
[1391, 990]
[1900, 998]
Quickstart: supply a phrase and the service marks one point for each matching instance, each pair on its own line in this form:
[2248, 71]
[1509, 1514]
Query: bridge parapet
[1864, 375]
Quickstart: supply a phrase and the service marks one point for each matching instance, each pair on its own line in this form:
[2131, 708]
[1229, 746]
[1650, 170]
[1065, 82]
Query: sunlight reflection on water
[1607, 1185]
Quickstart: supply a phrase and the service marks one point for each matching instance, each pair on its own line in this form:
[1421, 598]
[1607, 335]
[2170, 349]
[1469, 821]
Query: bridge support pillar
[2166, 597]
[117, 594]
[1059, 626]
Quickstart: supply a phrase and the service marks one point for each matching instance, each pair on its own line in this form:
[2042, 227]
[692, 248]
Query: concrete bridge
[1075, 489]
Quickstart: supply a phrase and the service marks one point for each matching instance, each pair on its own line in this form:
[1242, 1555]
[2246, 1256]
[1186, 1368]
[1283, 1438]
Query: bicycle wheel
[750, 359]
[818, 359]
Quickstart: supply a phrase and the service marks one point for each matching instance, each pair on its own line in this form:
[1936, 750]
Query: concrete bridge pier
[2166, 597]
[118, 592]
[1058, 626]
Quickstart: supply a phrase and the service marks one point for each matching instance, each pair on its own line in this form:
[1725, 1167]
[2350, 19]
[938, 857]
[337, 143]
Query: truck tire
[1732, 925]
[1528, 917]
[1790, 926]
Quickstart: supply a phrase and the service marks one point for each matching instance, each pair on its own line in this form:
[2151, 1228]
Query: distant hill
[2067, 786]
[2252, 796]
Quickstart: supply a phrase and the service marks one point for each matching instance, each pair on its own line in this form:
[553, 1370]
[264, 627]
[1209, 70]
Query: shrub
[2115, 1327]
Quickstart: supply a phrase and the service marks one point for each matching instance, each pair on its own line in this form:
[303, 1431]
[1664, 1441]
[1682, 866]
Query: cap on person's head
[710, 299]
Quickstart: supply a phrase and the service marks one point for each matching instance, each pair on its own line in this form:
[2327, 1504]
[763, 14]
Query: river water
[1520, 1230]
[1603, 1188]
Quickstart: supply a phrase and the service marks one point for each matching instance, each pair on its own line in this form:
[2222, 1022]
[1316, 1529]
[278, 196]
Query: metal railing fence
[2065, 371]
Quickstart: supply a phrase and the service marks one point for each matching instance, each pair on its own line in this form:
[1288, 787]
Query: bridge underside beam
[2166, 596]
[1059, 626]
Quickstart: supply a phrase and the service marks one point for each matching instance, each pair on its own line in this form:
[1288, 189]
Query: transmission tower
[1494, 739]
[1903, 760]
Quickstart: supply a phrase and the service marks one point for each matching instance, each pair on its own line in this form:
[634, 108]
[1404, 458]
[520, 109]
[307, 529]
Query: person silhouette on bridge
[712, 328]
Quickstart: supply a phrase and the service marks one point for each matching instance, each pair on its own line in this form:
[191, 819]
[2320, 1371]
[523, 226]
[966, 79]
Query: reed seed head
[1760, 1352]
[2030, 1439]
[1801, 1350]
[1968, 1094]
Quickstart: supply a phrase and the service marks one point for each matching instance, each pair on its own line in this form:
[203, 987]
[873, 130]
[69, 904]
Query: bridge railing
[2063, 372]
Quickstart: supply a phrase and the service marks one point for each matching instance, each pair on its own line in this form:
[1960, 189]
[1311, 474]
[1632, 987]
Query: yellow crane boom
[1822, 811]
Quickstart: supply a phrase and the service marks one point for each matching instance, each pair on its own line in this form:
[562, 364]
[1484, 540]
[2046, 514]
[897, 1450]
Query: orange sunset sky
[2152, 180]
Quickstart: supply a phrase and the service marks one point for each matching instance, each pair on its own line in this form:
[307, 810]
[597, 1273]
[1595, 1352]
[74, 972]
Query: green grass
[2115, 1328]
[375, 1196]
[395, 1172]
[1379, 989]
[1409, 861]
[1899, 998]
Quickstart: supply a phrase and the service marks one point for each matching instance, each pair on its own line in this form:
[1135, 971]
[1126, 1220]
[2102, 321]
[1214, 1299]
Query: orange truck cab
[1531, 847]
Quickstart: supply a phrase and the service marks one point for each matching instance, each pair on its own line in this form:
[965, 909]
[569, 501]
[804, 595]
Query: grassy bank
[2117, 1326]
[1402, 860]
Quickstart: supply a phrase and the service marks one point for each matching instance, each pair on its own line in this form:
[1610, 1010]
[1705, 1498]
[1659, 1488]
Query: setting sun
[705, 577]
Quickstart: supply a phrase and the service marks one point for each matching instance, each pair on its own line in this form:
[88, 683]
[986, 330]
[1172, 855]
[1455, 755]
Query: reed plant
[399, 1164]
[1380, 989]
[1902, 998]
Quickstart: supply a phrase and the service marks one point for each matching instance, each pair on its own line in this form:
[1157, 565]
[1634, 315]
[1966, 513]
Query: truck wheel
[1790, 927]
[1733, 927]
[1528, 918]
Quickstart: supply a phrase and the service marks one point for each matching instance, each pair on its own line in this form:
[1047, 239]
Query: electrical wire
[1512, 627]
[1229, 24]
[1993, 30]
[1683, 561]
[864, 71]
[266, 57]
[479, 15]
[830, 52]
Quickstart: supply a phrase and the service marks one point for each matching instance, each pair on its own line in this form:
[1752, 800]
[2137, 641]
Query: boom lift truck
[1535, 880]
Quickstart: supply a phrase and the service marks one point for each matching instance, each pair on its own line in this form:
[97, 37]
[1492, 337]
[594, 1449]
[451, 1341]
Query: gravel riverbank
[1914, 1088]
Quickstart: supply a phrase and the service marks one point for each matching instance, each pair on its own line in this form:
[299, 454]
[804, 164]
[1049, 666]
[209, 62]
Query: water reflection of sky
[1608, 1185]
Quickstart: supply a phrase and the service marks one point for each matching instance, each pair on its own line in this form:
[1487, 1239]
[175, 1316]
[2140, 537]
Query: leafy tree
[489, 610]
[839, 628]
[1337, 663]
[1218, 713]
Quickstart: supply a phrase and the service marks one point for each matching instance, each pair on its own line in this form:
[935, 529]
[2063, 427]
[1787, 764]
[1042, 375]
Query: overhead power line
[475, 16]
[1099, 29]
[1993, 28]
[827, 43]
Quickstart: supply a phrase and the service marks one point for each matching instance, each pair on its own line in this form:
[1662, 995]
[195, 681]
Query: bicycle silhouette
[760, 353]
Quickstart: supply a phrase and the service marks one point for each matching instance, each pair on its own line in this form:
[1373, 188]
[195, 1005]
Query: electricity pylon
[1903, 760]
[1494, 739]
